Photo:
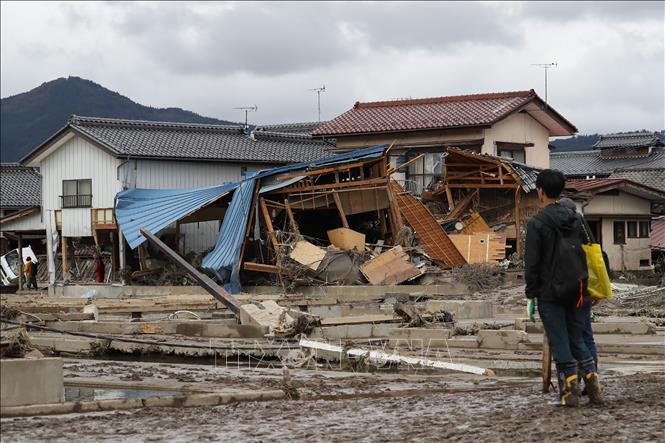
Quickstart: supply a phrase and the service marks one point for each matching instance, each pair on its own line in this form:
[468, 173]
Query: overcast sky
[211, 57]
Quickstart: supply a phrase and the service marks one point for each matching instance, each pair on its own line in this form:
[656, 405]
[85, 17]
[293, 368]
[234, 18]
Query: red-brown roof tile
[427, 113]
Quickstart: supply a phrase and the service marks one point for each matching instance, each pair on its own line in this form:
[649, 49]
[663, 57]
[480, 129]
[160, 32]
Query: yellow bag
[599, 286]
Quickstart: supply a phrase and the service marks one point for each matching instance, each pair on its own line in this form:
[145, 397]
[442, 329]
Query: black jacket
[539, 248]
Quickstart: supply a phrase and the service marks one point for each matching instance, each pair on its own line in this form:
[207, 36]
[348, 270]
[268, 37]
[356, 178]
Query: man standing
[556, 275]
[30, 272]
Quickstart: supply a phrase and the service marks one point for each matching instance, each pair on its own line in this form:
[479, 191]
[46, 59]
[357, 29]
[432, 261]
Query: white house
[87, 162]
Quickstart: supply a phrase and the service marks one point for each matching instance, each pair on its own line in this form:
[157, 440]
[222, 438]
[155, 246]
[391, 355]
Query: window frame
[78, 200]
[646, 223]
[616, 238]
[634, 232]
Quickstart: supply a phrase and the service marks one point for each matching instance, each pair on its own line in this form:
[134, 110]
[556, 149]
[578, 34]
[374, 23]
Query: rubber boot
[591, 381]
[569, 394]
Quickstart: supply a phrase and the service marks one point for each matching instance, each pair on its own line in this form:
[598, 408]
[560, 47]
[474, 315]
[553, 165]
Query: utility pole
[546, 67]
[318, 94]
[247, 109]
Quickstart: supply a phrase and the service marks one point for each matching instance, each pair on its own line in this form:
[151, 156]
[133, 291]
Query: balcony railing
[76, 201]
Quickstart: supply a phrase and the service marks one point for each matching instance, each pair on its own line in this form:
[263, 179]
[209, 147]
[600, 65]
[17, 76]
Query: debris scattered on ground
[479, 276]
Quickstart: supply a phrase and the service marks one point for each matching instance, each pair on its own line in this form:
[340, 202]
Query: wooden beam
[403, 165]
[206, 282]
[269, 227]
[260, 267]
[482, 186]
[342, 215]
[328, 170]
[292, 219]
[518, 228]
[63, 252]
[142, 263]
[334, 186]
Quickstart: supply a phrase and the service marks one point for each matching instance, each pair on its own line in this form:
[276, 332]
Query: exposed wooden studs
[269, 227]
[292, 219]
[342, 215]
[142, 262]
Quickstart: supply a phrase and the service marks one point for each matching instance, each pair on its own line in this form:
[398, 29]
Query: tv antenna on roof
[546, 67]
[318, 94]
[247, 109]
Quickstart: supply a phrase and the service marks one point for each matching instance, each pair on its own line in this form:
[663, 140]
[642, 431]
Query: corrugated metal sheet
[155, 209]
[223, 260]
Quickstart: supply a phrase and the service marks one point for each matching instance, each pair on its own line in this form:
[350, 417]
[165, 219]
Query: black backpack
[567, 280]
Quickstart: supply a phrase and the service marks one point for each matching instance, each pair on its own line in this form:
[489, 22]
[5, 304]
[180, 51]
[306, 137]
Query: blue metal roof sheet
[155, 209]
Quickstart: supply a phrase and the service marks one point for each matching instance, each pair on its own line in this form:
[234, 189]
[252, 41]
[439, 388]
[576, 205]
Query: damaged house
[512, 125]
[87, 162]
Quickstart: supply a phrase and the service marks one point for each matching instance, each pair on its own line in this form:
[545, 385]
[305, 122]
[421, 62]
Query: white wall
[78, 159]
[625, 256]
[623, 203]
[32, 222]
[520, 128]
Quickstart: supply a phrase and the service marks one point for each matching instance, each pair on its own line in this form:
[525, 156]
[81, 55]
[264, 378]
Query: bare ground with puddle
[497, 410]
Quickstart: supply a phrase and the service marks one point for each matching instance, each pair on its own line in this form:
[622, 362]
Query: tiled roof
[428, 113]
[292, 128]
[166, 140]
[604, 184]
[20, 187]
[590, 162]
[654, 178]
[642, 139]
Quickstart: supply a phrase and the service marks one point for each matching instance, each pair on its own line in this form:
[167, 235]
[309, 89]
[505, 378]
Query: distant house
[619, 214]
[20, 196]
[636, 156]
[513, 125]
[87, 162]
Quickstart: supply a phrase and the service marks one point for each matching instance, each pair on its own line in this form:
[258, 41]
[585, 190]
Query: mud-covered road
[501, 411]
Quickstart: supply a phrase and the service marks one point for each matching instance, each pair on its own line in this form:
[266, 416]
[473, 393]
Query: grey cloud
[278, 38]
[569, 11]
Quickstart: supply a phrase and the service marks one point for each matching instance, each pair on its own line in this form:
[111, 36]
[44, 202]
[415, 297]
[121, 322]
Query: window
[514, 154]
[644, 262]
[644, 229]
[632, 229]
[619, 233]
[76, 193]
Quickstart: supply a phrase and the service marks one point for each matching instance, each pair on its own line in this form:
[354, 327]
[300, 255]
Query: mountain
[29, 118]
[582, 142]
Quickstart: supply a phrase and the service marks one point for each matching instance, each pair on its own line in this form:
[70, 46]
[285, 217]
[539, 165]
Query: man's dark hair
[28, 259]
[551, 182]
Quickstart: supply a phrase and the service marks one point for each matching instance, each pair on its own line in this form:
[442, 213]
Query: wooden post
[518, 230]
[269, 227]
[20, 262]
[50, 246]
[342, 215]
[177, 238]
[114, 255]
[142, 262]
[63, 253]
[292, 219]
[121, 255]
[547, 364]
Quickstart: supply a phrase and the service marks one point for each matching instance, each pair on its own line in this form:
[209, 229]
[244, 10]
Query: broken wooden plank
[308, 254]
[384, 357]
[260, 267]
[347, 239]
[389, 268]
[342, 215]
[474, 223]
[480, 247]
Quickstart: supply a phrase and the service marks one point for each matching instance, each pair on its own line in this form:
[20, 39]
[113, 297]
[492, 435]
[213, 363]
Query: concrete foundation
[31, 381]
[462, 309]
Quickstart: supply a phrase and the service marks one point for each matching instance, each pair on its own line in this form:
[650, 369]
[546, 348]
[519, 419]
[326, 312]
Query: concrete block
[31, 381]
[601, 327]
[501, 339]
[419, 337]
[37, 409]
[462, 309]
[117, 404]
[160, 402]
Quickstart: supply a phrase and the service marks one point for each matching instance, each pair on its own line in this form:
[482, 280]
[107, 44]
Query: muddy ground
[493, 410]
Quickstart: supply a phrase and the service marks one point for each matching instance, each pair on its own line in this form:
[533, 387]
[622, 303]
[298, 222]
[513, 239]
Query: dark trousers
[564, 324]
[587, 333]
